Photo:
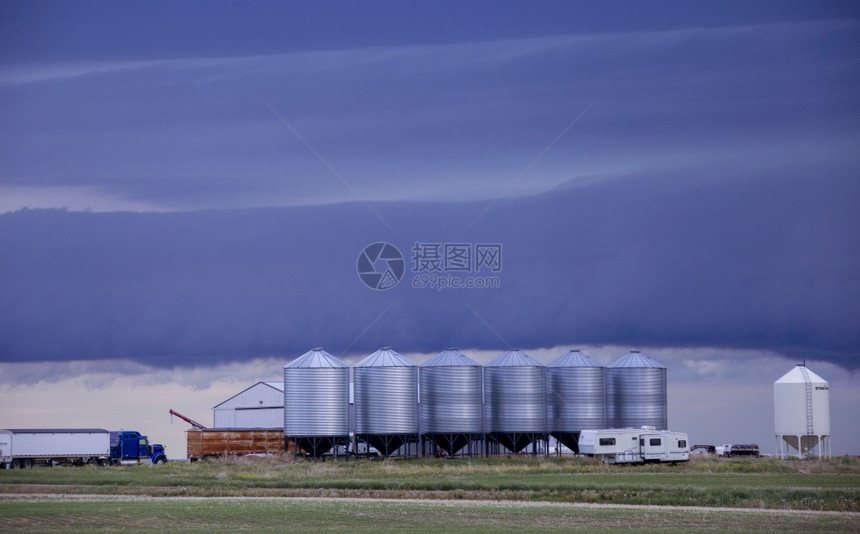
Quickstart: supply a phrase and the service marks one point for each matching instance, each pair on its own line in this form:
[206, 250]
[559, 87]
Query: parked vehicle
[631, 445]
[362, 448]
[738, 449]
[130, 447]
[710, 449]
[28, 447]
[218, 442]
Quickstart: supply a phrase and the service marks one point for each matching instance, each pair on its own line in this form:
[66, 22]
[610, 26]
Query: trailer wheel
[15, 464]
[28, 464]
[92, 462]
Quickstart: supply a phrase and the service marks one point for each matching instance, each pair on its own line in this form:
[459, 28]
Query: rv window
[682, 443]
[607, 441]
[654, 442]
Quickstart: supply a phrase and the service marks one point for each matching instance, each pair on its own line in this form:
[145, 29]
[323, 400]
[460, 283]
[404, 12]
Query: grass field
[492, 495]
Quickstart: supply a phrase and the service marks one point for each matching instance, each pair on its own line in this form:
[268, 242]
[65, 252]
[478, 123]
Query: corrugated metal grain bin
[575, 397]
[636, 393]
[386, 400]
[316, 401]
[515, 400]
[451, 400]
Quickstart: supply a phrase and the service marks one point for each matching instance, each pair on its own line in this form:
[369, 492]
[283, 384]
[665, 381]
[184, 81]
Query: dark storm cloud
[51, 30]
[750, 261]
[431, 122]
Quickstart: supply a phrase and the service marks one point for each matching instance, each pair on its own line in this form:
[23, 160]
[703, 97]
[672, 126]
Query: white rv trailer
[632, 445]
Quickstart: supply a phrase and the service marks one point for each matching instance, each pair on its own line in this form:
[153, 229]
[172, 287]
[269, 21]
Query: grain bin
[575, 397]
[801, 409]
[316, 402]
[636, 393]
[451, 400]
[386, 400]
[515, 400]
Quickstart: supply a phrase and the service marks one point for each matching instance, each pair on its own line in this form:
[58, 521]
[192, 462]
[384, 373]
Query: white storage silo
[801, 409]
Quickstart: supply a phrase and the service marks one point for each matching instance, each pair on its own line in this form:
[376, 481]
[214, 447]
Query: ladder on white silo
[810, 426]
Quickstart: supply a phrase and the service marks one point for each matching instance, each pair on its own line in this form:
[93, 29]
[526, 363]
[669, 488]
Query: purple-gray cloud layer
[432, 121]
[760, 261]
[705, 197]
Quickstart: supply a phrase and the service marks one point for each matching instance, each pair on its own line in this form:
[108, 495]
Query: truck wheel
[162, 460]
[92, 462]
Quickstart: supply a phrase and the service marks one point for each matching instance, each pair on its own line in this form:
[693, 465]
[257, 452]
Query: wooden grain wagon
[220, 442]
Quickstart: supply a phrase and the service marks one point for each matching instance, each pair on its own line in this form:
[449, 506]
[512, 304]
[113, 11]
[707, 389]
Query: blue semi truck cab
[130, 447]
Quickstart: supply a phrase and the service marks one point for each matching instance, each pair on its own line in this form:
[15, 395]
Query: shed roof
[274, 385]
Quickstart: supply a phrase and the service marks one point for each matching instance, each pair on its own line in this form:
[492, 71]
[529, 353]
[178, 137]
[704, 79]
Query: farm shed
[259, 406]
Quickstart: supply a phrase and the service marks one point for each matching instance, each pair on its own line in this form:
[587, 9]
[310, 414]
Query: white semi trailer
[632, 445]
[26, 447]
[22, 448]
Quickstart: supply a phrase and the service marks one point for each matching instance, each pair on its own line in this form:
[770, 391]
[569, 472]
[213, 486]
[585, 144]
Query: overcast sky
[188, 187]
